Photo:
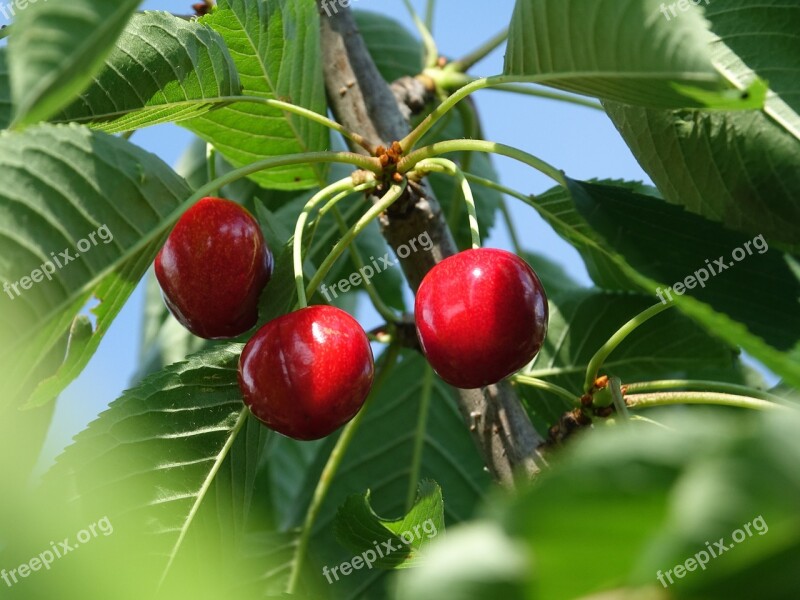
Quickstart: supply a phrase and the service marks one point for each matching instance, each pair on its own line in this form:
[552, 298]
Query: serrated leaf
[179, 447]
[56, 48]
[61, 186]
[736, 168]
[396, 52]
[617, 234]
[623, 50]
[393, 543]
[275, 46]
[162, 69]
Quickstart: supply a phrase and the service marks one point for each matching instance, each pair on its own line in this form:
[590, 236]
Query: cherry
[213, 268]
[481, 315]
[307, 373]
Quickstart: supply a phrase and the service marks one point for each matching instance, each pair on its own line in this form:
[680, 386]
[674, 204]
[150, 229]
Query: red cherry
[481, 315]
[213, 268]
[307, 373]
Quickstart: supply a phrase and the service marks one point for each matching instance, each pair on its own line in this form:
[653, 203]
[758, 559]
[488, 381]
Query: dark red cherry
[213, 268]
[307, 373]
[481, 315]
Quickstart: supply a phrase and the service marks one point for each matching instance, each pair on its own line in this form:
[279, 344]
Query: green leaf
[379, 459]
[101, 200]
[56, 49]
[652, 498]
[391, 543]
[670, 346]
[616, 240]
[396, 52]
[275, 46]
[623, 50]
[177, 453]
[5, 91]
[736, 168]
[162, 69]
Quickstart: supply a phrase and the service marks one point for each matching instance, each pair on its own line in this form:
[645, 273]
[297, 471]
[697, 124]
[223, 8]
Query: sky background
[578, 140]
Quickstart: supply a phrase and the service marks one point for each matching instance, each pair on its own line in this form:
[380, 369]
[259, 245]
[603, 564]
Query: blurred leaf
[275, 46]
[396, 52]
[361, 530]
[5, 90]
[162, 69]
[625, 50]
[57, 48]
[61, 185]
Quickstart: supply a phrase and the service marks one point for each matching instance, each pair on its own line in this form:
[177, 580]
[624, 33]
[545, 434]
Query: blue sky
[581, 141]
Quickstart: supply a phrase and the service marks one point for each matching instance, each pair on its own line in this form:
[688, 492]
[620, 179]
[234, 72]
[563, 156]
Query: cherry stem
[394, 194]
[699, 386]
[442, 165]
[615, 340]
[343, 185]
[462, 65]
[638, 401]
[434, 150]
[619, 400]
[211, 164]
[419, 436]
[431, 51]
[331, 468]
[547, 387]
[380, 306]
[430, 10]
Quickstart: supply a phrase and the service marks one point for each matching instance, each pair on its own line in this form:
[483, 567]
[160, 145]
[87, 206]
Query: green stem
[410, 161]
[330, 469]
[698, 386]
[380, 306]
[512, 230]
[430, 9]
[615, 340]
[394, 194]
[443, 165]
[419, 438]
[619, 400]
[211, 164]
[343, 185]
[462, 65]
[431, 51]
[498, 187]
[637, 401]
[547, 387]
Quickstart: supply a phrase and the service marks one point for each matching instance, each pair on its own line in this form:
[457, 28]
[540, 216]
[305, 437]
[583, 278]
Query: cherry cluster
[481, 315]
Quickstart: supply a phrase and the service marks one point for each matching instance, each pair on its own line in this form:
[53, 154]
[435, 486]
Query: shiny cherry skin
[213, 269]
[481, 315]
[307, 373]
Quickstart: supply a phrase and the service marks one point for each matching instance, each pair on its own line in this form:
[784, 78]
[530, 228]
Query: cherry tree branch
[363, 102]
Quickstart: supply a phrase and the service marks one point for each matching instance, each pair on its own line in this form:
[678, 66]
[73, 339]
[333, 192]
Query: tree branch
[363, 102]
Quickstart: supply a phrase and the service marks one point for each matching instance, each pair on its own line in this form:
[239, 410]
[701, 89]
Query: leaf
[162, 69]
[392, 543]
[56, 49]
[275, 46]
[5, 90]
[623, 50]
[396, 52]
[101, 200]
[379, 459]
[165, 459]
[736, 168]
[669, 346]
[614, 228]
